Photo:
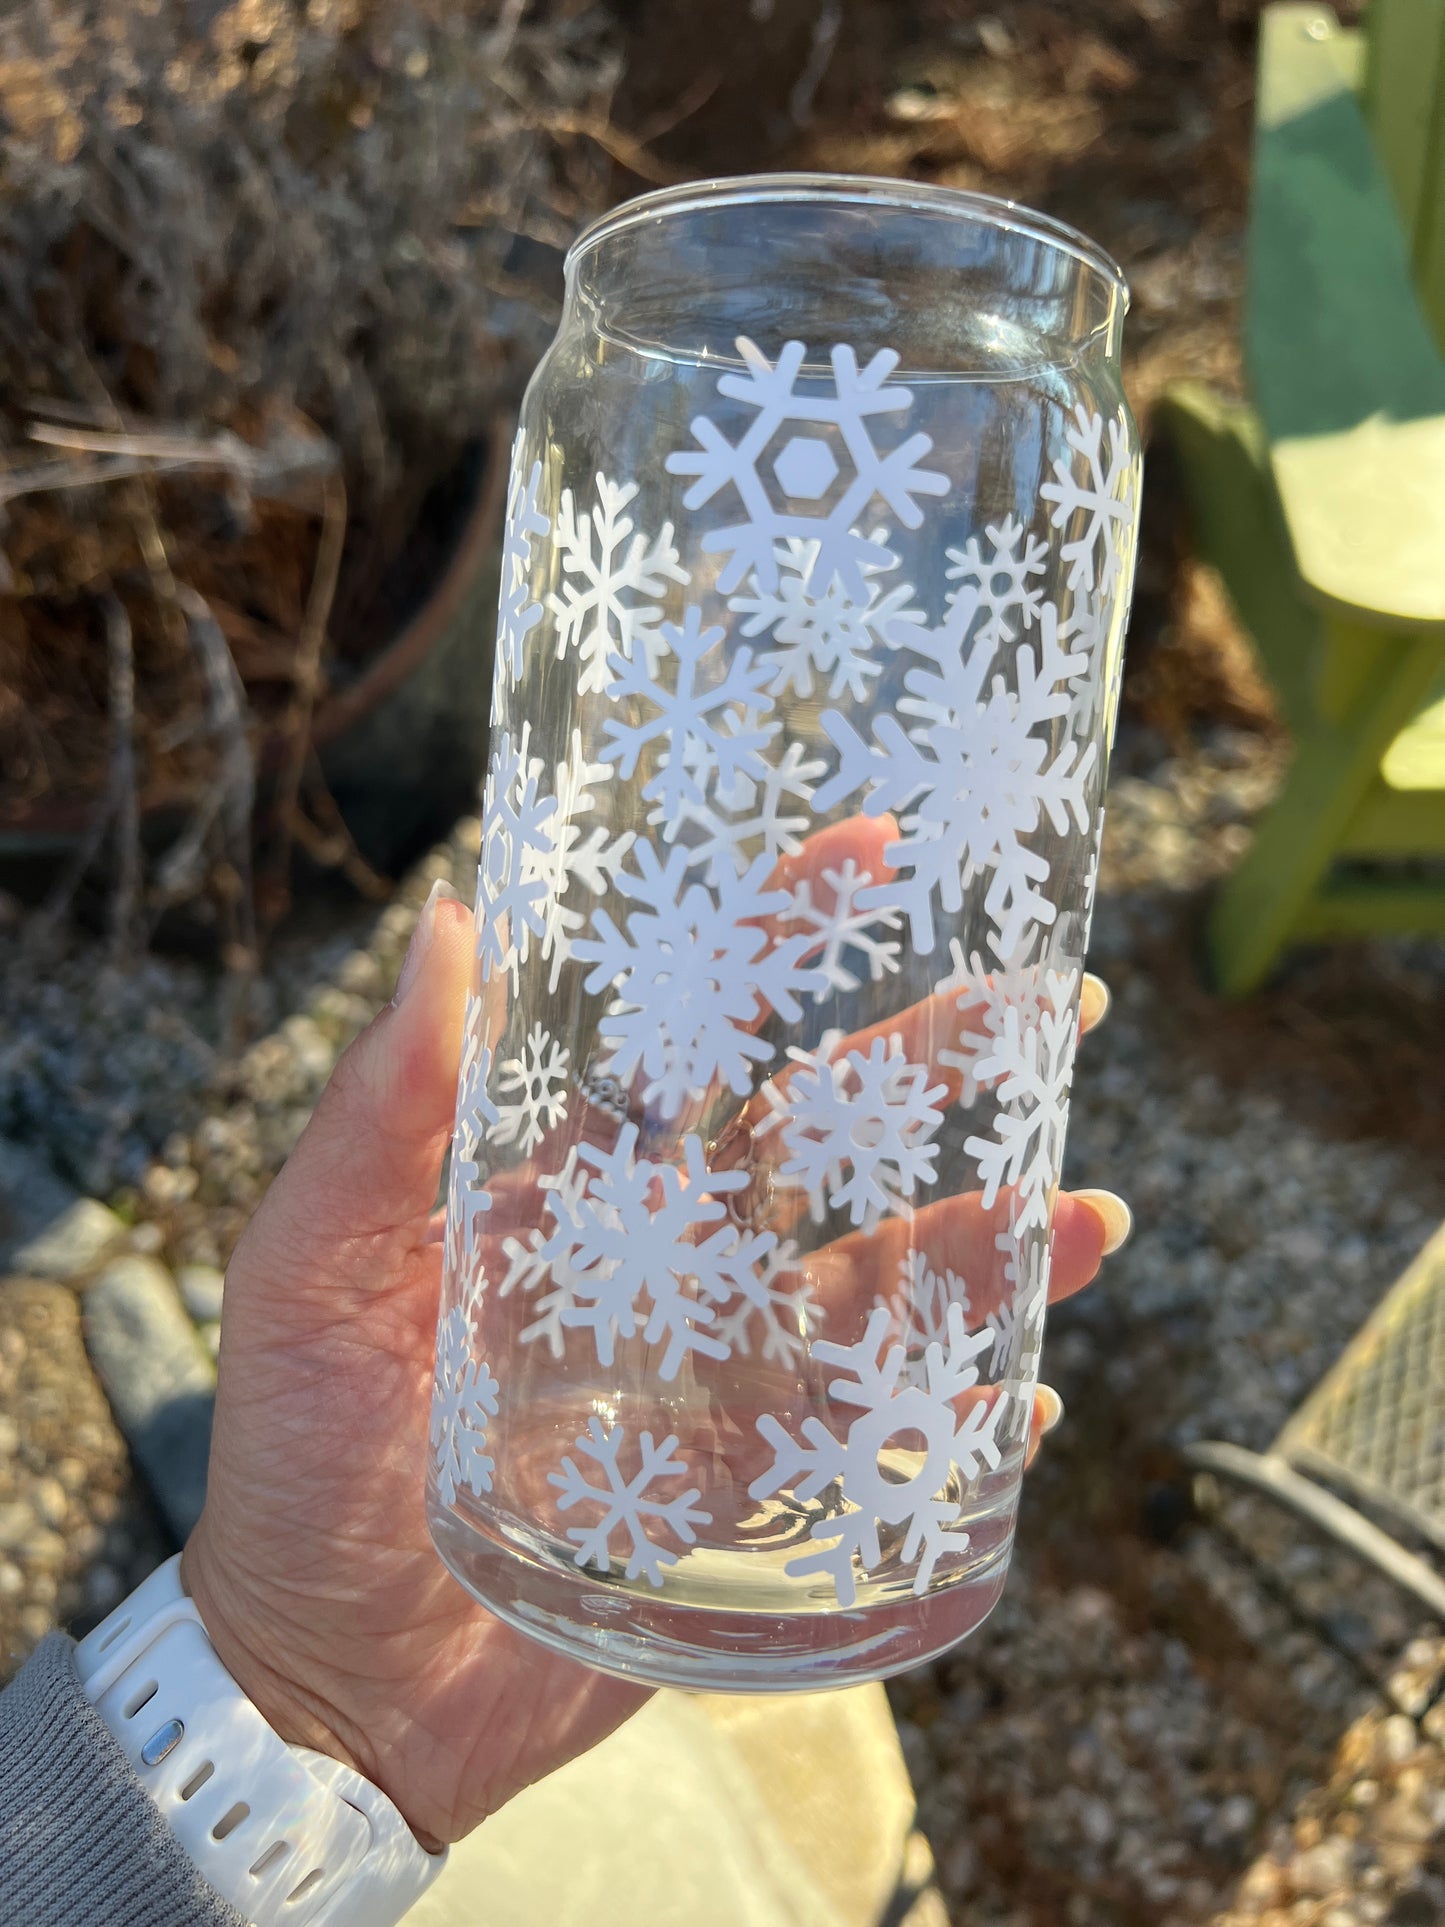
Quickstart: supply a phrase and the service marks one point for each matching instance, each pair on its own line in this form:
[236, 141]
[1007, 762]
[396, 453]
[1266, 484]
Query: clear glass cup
[818, 556]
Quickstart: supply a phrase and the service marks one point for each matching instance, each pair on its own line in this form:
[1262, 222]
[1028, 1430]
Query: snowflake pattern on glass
[651, 1247]
[1102, 500]
[464, 1400]
[537, 1082]
[857, 1128]
[516, 842]
[845, 935]
[805, 464]
[518, 614]
[626, 1502]
[919, 1306]
[1001, 580]
[913, 1490]
[608, 605]
[833, 635]
[1028, 1065]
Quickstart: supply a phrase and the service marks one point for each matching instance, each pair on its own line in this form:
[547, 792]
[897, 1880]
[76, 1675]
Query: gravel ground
[1173, 1717]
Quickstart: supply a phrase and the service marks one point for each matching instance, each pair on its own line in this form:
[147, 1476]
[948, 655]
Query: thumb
[364, 1172]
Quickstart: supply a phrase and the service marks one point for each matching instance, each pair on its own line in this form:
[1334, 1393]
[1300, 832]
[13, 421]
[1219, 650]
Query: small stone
[71, 1244]
[35, 1622]
[147, 1239]
[50, 1502]
[165, 1187]
[1395, 1741]
[1323, 1870]
[12, 1580]
[17, 1521]
[201, 1288]
[160, 1383]
[210, 1335]
[9, 1436]
[43, 1547]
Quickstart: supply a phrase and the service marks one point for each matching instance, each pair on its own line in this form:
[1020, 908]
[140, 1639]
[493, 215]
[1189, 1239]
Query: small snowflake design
[1028, 1065]
[1002, 578]
[762, 814]
[468, 1199]
[912, 1494]
[1099, 504]
[589, 861]
[613, 579]
[775, 1319]
[845, 937]
[628, 1503]
[519, 614]
[691, 975]
[703, 726]
[516, 842]
[919, 1306]
[543, 1270]
[532, 1092]
[832, 637]
[650, 1246]
[803, 447]
[464, 1399]
[857, 1128]
[972, 776]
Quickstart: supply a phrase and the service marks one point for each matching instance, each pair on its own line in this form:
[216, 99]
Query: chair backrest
[1404, 101]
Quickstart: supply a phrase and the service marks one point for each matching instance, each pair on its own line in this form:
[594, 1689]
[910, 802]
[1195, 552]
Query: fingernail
[1050, 1406]
[422, 937]
[1118, 1219]
[1095, 1001]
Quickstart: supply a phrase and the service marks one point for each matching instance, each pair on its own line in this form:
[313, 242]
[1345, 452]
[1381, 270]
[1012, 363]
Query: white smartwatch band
[285, 1834]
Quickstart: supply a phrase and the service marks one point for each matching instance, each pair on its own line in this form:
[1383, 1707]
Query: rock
[17, 1521]
[50, 1502]
[147, 1239]
[9, 1436]
[47, 1230]
[201, 1287]
[1324, 1870]
[159, 1381]
[1395, 1741]
[12, 1580]
[42, 1547]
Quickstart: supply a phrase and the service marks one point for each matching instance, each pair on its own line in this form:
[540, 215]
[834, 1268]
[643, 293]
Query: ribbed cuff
[81, 1844]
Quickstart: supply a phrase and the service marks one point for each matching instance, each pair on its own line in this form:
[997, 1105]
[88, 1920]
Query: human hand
[312, 1566]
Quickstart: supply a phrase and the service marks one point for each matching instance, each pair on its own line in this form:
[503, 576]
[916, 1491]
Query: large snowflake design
[591, 860]
[627, 1503]
[517, 841]
[652, 1245]
[986, 990]
[701, 727]
[464, 1398]
[844, 936]
[973, 776]
[607, 606]
[831, 635]
[882, 1489]
[691, 976]
[468, 1199]
[519, 614]
[803, 466]
[763, 814]
[857, 1128]
[919, 1306]
[535, 1088]
[1099, 505]
[1002, 579]
[549, 1281]
[1027, 1067]
[775, 1322]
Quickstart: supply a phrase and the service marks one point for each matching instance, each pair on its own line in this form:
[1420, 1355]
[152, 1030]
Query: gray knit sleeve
[81, 1845]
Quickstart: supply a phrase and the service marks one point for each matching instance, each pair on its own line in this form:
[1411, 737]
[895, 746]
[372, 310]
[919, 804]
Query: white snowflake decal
[692, 976]
[519, 614]
[843, 933]
[625, 1502]
[858, 1128]
[1026, 1268]
[607, 605]
[986, 990]
[592, 860]
[832, 635]
[919, 1308]
[1104, 498]
[634, 1254]
[777, 1320]
[806, 466]
[468, 1199]
[913, 1492]
[972, 778]
[750, 817]
[464, 1397]
[538, 1083]
[1001, 580]
[700, 727]
[516, 843]
[1027, 1066]
[550, 1280]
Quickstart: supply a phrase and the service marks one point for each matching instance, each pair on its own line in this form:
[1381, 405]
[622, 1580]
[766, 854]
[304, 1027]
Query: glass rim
[861, 190]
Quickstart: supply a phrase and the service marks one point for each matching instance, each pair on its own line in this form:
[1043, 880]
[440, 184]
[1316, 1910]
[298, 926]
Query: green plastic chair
[1323, 505]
